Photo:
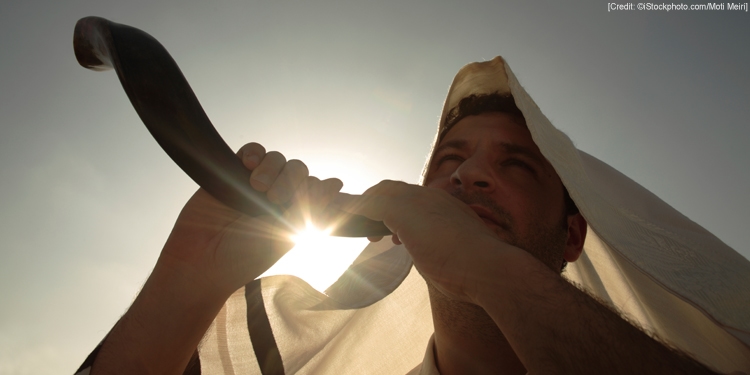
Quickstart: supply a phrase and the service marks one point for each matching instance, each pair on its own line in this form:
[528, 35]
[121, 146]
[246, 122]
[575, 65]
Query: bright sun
[318, 258]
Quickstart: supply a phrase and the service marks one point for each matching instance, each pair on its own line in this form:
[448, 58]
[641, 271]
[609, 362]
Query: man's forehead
[503, 130]
[496, 125]
[505, 147]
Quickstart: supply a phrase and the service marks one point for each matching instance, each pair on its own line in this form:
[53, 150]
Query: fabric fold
[665, 273]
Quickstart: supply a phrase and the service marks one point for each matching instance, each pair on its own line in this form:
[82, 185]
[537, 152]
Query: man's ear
[577, 228]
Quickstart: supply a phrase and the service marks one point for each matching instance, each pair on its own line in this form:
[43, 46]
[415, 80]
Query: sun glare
[318, 258]
[310, 234]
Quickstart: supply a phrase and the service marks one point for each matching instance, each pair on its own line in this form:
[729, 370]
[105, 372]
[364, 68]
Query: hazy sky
[354, 88]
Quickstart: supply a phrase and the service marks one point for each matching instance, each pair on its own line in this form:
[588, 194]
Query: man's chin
[502, 233]
[511, 238]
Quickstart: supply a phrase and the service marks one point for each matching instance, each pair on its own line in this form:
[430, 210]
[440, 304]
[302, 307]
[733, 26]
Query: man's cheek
[438, 183]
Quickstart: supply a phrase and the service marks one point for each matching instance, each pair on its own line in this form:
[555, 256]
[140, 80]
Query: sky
[354, 89]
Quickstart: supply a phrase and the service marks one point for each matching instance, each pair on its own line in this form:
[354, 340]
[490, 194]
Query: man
[489, 232]
[496, 308]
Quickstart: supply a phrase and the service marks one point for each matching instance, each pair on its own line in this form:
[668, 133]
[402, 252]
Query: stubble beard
[546, 243]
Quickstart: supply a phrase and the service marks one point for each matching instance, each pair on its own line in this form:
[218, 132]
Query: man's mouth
[495, 217]
[487, 215]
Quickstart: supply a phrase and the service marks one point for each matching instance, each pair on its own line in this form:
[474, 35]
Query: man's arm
[556, 328]
[162, 328]
[551, 325]
[211, 252]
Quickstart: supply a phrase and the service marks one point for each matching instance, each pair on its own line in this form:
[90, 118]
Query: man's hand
[212, 251]
[435, 228]
[551, 326]
[226, 249]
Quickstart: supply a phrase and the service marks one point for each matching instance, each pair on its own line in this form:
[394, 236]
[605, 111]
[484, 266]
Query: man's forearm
[556, 328]
[162, 328]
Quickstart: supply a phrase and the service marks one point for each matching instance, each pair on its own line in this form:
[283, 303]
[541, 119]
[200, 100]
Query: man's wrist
[186, 284]
[508, 273]
[164, 325]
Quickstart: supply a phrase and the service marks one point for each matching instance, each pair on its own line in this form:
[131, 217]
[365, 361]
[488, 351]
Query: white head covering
[663, 271]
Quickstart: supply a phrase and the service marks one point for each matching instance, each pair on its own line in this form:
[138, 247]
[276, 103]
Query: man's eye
[519, 163]
[449, 157]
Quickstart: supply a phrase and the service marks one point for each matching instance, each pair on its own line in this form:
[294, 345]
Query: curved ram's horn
[171, 112]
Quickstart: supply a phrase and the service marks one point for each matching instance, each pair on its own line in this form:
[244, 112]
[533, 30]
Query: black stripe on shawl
[90, 359]
[194, 366]
[261, 335]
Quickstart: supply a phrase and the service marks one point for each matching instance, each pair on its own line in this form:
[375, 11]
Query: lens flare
[318, 258]
[310, 234]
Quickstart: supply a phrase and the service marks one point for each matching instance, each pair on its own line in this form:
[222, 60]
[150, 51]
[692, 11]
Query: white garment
[428, 365]
[662, 270]
[319, 335]
[659, 268]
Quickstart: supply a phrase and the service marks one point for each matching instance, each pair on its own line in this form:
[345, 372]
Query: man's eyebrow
[458, 144]
[514, 148]
[507, 147]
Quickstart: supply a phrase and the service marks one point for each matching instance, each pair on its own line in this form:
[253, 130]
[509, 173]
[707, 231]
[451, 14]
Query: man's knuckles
[296, 168]
[267, 171]
[332, 185]
[387, 188]
[290, 179]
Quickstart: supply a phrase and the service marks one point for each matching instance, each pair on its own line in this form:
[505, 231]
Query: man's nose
[474, 173]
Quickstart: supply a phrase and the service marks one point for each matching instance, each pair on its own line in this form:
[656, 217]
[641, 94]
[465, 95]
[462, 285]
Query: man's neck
[467, 341]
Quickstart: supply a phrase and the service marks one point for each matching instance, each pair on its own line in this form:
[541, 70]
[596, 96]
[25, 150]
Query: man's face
[490, 162]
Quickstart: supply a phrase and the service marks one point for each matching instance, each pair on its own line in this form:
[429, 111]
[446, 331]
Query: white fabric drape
[659, 268]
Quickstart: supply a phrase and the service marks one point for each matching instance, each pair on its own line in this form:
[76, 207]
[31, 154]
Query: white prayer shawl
[663, 271]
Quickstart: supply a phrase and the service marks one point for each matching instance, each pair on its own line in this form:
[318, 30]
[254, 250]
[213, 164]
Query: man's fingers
[329, 188]
[293, 173]
[299, 212]
[309, 191]
[251, 155]
[311, 201]
[387, 188]
[320, 201]
[267, 171]
[316, 193]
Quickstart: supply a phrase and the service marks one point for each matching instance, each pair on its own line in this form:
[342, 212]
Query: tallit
[663, 271]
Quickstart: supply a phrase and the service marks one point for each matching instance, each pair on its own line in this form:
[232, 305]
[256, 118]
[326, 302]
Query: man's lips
[486, 215]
